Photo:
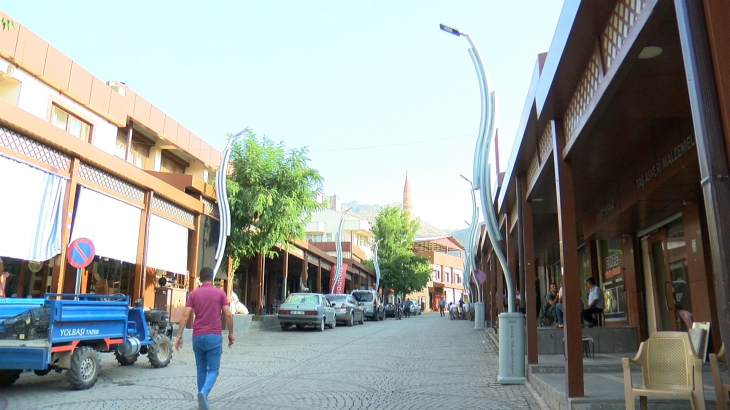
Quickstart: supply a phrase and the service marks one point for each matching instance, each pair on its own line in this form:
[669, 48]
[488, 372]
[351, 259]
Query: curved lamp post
[377, 266]
[511, 324]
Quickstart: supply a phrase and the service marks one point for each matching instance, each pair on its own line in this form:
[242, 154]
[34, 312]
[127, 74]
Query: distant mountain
[461, 235]
[369, 212]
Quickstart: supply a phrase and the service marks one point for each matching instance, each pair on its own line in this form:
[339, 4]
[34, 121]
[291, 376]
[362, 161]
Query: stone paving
[422, 362]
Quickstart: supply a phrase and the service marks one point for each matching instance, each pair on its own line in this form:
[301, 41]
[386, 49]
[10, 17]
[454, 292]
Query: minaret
[407, 199]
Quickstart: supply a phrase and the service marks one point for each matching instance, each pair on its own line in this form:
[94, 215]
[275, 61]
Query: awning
[111, 225]
[167, 245]
[30, 211]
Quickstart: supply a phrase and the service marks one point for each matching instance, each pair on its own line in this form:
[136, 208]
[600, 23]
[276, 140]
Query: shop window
[70, 123]
[610, 263]
[110, 276]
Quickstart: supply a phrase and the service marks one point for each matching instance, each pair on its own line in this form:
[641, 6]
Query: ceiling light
[650, 52]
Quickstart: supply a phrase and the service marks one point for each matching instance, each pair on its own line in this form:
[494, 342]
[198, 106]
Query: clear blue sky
[373, 88]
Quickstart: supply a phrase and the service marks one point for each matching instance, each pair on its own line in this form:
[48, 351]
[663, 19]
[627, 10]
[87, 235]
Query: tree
[400, 269]
[272, 194]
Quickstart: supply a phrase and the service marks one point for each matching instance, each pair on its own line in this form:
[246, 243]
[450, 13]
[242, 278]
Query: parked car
[347, 309]
[303, 309]
[371, 302]
[413, 306]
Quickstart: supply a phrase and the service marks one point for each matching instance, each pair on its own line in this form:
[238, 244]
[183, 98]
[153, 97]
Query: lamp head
[451, 30]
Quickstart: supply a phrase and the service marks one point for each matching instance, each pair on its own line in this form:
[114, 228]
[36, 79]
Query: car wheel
[284, 327]
[334, 323]
[362, 319]
[321, 325]
[351, 320]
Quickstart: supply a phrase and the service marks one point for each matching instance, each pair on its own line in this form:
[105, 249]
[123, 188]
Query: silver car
[371, 302]
[347, 309]
[413, 306]
[303, 309]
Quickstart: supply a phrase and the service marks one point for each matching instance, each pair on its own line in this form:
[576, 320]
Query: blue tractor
[68, 332]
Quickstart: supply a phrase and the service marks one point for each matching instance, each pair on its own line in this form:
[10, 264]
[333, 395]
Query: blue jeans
[207, 349]
[559, 313]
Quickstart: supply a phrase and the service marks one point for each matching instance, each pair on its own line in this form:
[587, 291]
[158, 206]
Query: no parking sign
[480, 276]
[80, 253]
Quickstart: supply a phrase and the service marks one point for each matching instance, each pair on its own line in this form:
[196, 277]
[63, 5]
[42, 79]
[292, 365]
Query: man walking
[595, 302]
[442, 305]
[206, 303]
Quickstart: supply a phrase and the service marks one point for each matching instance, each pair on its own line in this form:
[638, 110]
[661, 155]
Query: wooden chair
[669, 368]
[721, 389]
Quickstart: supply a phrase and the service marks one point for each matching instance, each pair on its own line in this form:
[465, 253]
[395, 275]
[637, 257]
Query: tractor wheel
[126, 360]
[84, 368]
[8, 377]
[159, 352]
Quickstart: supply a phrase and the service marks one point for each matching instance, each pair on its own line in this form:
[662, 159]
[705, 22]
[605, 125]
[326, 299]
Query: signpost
[80, 253]
[481, 276]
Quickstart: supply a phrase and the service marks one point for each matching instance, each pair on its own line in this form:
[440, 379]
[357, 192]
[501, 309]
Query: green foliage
[272, 194]
[7, 23]
[400, 269]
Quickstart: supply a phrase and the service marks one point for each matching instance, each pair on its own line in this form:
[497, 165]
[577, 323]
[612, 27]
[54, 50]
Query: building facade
[620, 173]
[446, 256]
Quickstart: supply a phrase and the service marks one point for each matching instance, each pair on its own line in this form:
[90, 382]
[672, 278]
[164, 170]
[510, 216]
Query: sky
[373, 88]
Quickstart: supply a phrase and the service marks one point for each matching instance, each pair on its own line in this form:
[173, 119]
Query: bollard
[511, 348]
[479, 316]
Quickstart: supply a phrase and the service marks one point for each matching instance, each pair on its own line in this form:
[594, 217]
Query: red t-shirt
[207, 302]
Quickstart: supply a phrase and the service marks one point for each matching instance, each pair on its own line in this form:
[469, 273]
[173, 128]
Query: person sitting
[464, 311]
[595, 302]
[454, 312]
[552, 301]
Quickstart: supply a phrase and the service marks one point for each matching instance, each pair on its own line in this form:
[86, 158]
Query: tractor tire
[8, 377]
[351, 320]
[159, 353]
[84, 368]
[126, 360]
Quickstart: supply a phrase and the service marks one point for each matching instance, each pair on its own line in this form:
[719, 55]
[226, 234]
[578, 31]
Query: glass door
[670, 276]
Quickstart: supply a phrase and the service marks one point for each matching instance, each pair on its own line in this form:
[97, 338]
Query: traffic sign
[80, 253]
[480, 275]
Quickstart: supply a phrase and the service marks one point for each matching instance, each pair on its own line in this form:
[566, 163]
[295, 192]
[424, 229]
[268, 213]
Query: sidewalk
[603, 383]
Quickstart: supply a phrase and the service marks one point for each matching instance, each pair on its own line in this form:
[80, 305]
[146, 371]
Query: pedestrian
[442, 305]
[206, 303]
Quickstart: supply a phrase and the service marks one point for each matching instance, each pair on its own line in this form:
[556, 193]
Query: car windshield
[337, 298]
[303, 299]
[363, 296]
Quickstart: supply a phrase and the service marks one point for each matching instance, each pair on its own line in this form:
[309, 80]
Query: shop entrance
[666, 253]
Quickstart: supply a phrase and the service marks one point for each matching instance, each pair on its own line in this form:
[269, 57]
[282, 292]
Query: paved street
[423, 362]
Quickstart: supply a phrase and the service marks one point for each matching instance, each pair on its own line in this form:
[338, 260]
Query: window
[70, 123]
[169, 163]
[121, 146]
[140, 152]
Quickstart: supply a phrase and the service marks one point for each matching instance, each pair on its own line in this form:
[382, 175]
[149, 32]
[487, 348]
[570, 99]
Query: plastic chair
[669, 368]
[721, 389]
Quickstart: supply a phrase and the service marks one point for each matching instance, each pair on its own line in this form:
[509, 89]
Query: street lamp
[511, 324]
[479, 314]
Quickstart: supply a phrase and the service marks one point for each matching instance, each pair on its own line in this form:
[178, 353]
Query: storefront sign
[665, 161]
[613, 265]
[606, 210]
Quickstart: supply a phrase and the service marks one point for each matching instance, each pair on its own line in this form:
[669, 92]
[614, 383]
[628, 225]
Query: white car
[303, 309]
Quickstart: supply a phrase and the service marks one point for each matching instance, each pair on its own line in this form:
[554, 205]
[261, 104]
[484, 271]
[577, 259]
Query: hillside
[461, 235]
[369, 212]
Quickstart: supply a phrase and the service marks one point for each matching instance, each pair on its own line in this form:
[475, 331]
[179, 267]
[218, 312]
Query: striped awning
[30, 211]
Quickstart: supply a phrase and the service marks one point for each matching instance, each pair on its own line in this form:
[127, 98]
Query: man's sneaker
[202, 402]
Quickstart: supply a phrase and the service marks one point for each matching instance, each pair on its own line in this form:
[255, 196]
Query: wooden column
[305, 264]
[713, 151]
[141, 284]
[69, 200]
[634, 288]
[569, 261]
[285, 284]
[193, 250]
[260, 266]
[319, 275]
[592, 257]
[527, 265]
